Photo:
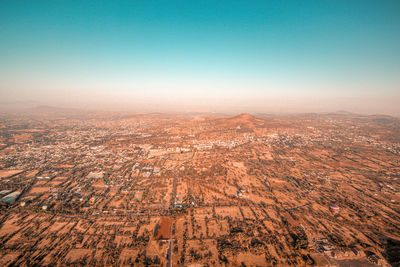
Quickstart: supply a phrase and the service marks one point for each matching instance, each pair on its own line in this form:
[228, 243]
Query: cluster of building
[152, 189]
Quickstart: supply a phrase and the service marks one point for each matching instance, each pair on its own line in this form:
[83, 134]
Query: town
[121, 189]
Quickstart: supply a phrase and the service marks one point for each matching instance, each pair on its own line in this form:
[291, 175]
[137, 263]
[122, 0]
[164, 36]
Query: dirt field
[8, 173]
[164, 232]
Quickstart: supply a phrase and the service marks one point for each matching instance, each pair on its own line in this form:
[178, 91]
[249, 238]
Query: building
[4, 192]
[10, 198]
[334, 208]
[95, 175]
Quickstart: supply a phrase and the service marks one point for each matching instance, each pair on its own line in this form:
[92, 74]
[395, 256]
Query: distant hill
[342, 112]
[244, 117]
[241, 121]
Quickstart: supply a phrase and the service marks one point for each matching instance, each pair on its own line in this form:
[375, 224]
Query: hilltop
[242, 121]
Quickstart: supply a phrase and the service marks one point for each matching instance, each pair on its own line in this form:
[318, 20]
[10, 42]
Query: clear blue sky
[304, 55]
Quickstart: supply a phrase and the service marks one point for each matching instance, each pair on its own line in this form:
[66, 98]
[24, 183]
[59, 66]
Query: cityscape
[206, 133]
[104, 189]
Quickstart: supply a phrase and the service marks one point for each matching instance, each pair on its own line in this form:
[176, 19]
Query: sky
[238, 56]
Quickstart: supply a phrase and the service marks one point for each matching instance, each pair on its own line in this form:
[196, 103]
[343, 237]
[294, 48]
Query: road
[169, 250]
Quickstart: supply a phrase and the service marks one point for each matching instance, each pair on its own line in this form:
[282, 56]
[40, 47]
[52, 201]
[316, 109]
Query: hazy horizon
[230, 56]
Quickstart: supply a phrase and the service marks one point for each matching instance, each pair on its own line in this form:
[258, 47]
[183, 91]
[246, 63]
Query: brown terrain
[121, 189]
